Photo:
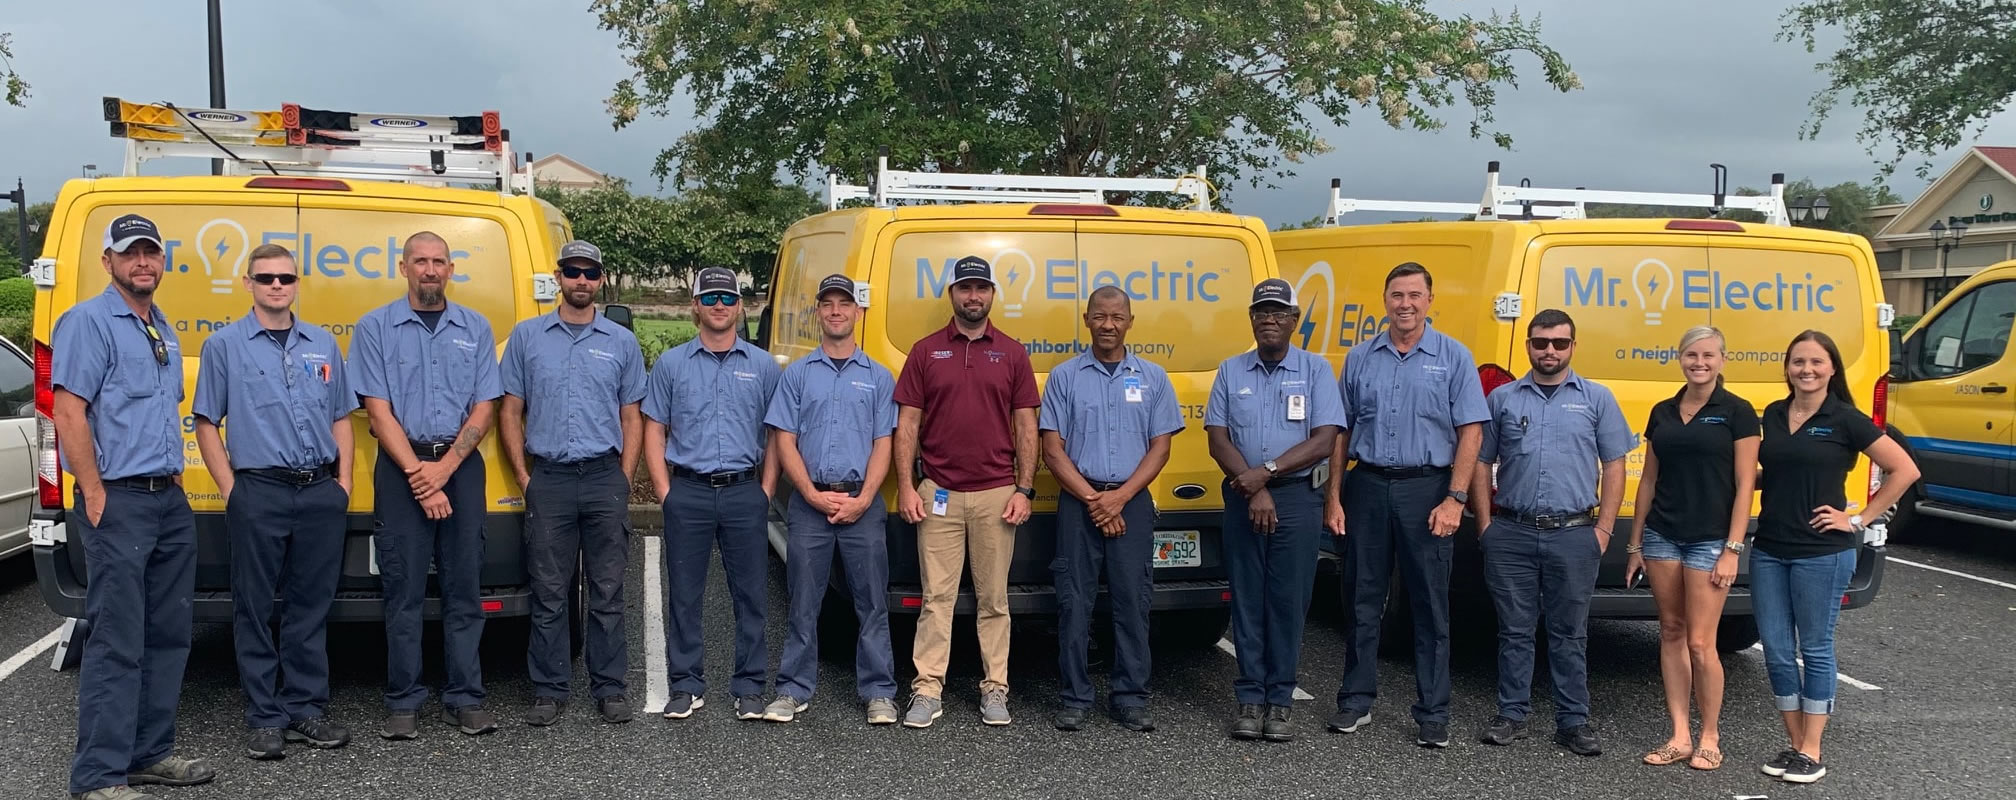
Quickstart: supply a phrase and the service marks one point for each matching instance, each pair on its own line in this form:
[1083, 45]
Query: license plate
[1177, 549]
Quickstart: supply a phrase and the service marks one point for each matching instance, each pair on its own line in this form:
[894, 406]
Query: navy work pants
[697, 517]
[1272, 577]
[286, 543]
[1533, 573]
[808, 565]
[577, 513]
[1386, 521]
[406, 542]
[1084, 555]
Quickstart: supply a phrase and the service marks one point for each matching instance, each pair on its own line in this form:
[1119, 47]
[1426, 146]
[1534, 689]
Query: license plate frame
[1177, 549]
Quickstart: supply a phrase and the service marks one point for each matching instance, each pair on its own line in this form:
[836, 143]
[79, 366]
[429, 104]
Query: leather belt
[1402, 473]
[843, 487]
[297, 477]
[430, 451]
[1548, 522]
[582, 465]
[145, 483]
[1102, 486]
[717, 480]
[1286, 480]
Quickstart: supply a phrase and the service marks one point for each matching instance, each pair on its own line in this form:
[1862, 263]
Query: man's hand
[1107, 506]
[662, 491]
[1333, 518]
[1017, 511]
[910, 504]
[224, 487]
[1251, 481]
[94, 505]
[1113, 528]
[428, 477]
[1446, 517]
[1602, 541]
[1484, 524]
[823, 502]
[847, 510]
[1260, 510]
[344, 483]
[524, 481]
[436, 506]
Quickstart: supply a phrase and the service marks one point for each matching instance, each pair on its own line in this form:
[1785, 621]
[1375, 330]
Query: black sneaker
[1580, 740]
[1346, 721]
[545, 711]
[1503, 730]
[471, 720]
[318, 732]
[1778, 764]
[1804, 769]
[1433, 734]
[1276, 728]
[1134, 718]
[615, 709]
[749, 707]
[1069, 719]
[265, 744]
[401, 725]
[1246, 725]
[682, 705]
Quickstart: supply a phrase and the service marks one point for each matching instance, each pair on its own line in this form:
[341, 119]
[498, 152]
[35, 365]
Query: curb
[646, 518]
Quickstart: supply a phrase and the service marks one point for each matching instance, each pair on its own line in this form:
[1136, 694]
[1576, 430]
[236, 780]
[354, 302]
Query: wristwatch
[1734, 547]
[1855, 522]
[1461, 497]
[1271, 467]
[1026, 492]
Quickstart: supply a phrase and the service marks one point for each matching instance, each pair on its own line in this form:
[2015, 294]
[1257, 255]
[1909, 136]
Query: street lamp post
[84, 171]
[20, 198]
[1814, 208]
[1946, 238]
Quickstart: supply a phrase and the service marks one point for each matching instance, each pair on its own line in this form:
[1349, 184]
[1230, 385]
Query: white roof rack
[1532, 202]
[893, 185]
[465, 150]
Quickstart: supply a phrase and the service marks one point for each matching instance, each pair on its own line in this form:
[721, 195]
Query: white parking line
[1956, 573]
[27, 654]
[1226, 645]
[654, 630]
[1758, 648]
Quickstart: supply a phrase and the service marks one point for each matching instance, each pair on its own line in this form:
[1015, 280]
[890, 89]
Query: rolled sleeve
[212, 382]
[79, 350]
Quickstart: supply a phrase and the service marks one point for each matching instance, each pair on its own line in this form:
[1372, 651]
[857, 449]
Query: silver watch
[1271, 467]
[1734, 547]
[1855, 523]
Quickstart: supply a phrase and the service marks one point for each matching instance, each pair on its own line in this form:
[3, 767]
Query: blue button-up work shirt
[837, 409]
[712, 407]
[574, 389]
[431, 378]
[1106, 421]
[281, 401]
[1550, 451]
[1405, 408]
[1251, 403]
[102, 354]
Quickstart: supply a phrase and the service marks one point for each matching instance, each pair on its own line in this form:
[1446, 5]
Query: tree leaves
[647, 238]
[17, 89]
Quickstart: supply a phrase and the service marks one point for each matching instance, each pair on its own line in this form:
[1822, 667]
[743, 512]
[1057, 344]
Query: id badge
[1133, 385]
[1298, 407]
[939, 500]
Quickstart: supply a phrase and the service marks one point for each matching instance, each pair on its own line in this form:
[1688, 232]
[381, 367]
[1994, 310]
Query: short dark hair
[1551, 318]
[1105, 292]
[266, 251]
[1410, 268]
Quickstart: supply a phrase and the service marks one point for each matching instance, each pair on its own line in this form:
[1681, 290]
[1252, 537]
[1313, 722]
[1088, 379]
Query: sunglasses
[160, 347]
[270, 278]
[577, 273]
[720, 299]
[1542, 343]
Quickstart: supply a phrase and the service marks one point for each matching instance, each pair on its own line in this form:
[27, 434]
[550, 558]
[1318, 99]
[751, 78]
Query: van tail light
[48, 478]
[1074, 210]
[1493, 377]
[1879, 407]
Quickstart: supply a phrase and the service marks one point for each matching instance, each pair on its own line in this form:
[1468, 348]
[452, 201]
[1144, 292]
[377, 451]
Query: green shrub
[16, 330]
[17, 298]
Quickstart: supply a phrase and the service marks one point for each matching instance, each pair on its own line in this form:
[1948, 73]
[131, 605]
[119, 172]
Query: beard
[1543, 369]
[972, 316]
[135, 290]
[579, 300]
[431, 297]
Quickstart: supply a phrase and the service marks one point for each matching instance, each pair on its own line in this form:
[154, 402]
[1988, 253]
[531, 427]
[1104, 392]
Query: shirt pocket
[1248, 411]
[1515, 438]
[137, 377]
[1429, 392]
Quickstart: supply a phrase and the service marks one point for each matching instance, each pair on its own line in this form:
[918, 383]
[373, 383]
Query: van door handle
[1994, 388]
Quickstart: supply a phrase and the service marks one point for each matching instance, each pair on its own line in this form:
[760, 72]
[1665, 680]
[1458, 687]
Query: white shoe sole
[1355, 724]
[698, 703]
[1813, 778]
[927, 723]
[772, 716]
[997, 722]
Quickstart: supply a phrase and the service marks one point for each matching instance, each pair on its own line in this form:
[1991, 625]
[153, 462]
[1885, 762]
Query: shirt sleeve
[212, 382]
[1024, 384]
[1466, 392]
[367, 358]
[1743, 421]
[342, 399]
[772, 376]
[1167, 416]
[885, 404]
[1862, 432]
[910, 385]
[783, 413]
[1613, 437]
[1055, 413]
[1326, 400]
[1344, 391]
[488, 387]
[1215, 407]
[630, 384]
[658, 391]
[511, 372]
[1487, 451]
[80, 356]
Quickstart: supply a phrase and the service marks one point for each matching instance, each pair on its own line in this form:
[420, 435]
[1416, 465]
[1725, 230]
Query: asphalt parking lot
[1927, 716]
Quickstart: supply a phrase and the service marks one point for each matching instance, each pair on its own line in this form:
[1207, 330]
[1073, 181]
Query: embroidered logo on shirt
[994, 356]
[464, 344]
[1817, 431]
[1287, 384]
[1714, 420]
[866, 387]
[941, 354]
[1245, 390]
[602, 354]
[744, 376]
[1574, 407]
[1434, 369]
[315, 358]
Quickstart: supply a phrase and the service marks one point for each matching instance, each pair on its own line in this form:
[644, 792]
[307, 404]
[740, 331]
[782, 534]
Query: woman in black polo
[1692, 511]
[1807, 538]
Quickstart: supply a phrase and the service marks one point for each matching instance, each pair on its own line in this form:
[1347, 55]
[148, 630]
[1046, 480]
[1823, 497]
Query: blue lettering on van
[1069, 279]
[1358, 323]
[328, 260]
[1699, 289]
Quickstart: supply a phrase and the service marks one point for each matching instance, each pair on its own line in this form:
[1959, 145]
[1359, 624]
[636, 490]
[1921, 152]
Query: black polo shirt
[1696, 488]
[1804, 470]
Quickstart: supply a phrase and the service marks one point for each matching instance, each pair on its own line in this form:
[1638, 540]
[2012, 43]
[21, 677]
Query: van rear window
[1187, 292]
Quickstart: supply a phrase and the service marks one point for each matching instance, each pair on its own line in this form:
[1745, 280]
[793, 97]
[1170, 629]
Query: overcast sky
[1671, 87]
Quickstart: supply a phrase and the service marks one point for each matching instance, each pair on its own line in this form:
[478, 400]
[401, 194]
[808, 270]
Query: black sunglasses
[1542, 343]
[576, 273]
[720, 299]
[270, 278]
[160, 347]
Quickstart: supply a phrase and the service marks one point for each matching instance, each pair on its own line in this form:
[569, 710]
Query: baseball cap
[578, 249]
[1273, 290]
[973, 268]
[126, 230]
[715, 280]
[837, 283]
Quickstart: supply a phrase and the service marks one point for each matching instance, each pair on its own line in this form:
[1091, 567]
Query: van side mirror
[762, 339]
[619, 314]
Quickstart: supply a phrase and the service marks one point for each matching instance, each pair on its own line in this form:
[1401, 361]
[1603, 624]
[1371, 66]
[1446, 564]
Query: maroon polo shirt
[968, 390]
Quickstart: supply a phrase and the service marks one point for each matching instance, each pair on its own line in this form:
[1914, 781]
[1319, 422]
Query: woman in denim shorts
[1807, 539]
[1692, 510]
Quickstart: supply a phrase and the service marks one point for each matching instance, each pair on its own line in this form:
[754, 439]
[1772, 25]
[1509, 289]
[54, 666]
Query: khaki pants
[971, 528]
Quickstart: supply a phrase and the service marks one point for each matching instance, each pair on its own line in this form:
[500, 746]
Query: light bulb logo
[222, 258]
[1308, 330]
[1012, 274]
[1652, 280]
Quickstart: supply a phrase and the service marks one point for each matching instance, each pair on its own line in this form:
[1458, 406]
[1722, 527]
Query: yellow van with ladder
[1633, 286]
[342, 192]
[1052, 241]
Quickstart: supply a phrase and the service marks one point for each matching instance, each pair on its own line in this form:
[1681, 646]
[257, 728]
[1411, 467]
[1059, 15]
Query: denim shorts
[1697, 556]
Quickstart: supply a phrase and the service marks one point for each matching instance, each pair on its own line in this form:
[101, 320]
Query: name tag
[939, 500]
[1298, 407]
[1133, 385]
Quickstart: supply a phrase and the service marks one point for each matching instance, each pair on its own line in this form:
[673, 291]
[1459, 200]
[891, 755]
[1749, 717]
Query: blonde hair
[1696, 334]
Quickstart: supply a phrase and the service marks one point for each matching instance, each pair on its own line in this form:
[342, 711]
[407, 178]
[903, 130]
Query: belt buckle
[720, 480]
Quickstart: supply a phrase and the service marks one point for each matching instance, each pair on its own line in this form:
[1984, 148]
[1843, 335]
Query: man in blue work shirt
[1272, 416]
[117, 371]
[1550, 434]
[834, 413]
[284, 473]
[705, 444]
[1417, 412]
[572, 383]
[427, 372]
[1107, 420]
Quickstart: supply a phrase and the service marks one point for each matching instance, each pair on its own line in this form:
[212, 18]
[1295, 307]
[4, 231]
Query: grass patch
[677, 329]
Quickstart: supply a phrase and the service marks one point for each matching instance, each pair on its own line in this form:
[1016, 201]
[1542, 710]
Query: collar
[254, 330]
[1720, 397]
[858, 357]
[1289, 361]
[1129, 363]
[952, 334]
[1430, 342]
[120, 309]
[1570, 379]
[600, 324]
[1830, 406]
[741, 346]
[402, 313]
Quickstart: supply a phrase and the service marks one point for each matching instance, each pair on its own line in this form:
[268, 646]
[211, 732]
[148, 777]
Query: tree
[17, 89]
[1848, 205]
[638, 234]
[10, 236]
[1928, 73]
[1056, 87]
[646, 238]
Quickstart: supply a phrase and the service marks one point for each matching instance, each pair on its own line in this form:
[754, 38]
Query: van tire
[1735, 634]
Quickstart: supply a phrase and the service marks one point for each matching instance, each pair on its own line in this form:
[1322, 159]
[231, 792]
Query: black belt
[1101, 486]
[297, 477]
[1548, 522]
[843, 487]
[1401, 473]
[582, 465]
[717, 480]
[145, 483]
[430, 451]
[1290, 480]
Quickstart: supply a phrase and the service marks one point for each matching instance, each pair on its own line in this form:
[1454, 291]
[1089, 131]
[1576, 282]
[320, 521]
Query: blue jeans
[697, 517]
[1697, 556]
[1533, 574]
[1797, 601]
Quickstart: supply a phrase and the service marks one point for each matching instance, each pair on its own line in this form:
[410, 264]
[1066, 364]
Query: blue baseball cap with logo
[1273, 290]
[973, 268]
[715, 280]
[128, 229]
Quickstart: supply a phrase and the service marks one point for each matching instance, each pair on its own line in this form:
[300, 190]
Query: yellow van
[1632, 286]
[1183, 269]
[1951, 405]
[346, 236]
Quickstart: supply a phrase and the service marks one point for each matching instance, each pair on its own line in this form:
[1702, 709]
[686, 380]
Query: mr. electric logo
[221, 245]
[1354, 323]
[1653, 286]
[1019, 274]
